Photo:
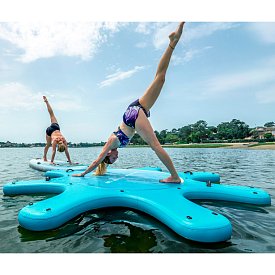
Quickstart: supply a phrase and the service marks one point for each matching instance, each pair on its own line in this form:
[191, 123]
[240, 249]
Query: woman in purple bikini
[135, 119]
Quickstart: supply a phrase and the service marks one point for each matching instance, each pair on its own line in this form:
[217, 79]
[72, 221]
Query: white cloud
[44, 40]
[160, 38]
[206, 29]
[188, 55]
[160, 34]
[263, 31]
[158, 30]
[239, 80]
[190, 32]
[144, 27]
[141, 45]
[16, 96]
[67, 102]
[111, 79]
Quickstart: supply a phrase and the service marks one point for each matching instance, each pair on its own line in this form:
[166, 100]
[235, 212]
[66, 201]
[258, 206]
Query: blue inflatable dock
[136, 189]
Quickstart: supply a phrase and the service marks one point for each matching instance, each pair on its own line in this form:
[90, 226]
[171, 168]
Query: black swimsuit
[52, 128]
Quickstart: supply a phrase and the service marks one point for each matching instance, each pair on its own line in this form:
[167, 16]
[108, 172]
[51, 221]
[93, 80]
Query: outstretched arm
[67, 154]
[54, 151]
[107, 147]
[46, 151]
[48, 145]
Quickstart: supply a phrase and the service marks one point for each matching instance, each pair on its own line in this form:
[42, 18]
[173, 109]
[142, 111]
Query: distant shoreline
[246, 145]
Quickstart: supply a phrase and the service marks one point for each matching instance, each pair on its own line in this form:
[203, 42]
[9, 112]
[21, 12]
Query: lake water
[124, 230]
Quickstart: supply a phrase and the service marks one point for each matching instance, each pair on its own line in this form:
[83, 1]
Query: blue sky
[91, 72]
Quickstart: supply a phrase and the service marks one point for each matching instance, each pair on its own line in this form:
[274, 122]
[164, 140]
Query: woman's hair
[102, 167]
[61, 147]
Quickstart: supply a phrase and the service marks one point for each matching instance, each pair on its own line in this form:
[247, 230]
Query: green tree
[240, 129]
[174, 131]
[184, 134]
[137, 140]
[159, 137]
[171, 138]
[269, 124]
[212, 132]
[195, 137]
[162, 136]
[235, 129]
[254, 133]
[267, 135]
[199, 131]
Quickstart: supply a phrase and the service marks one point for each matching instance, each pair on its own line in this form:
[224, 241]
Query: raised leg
[50, 110]
[151, 94]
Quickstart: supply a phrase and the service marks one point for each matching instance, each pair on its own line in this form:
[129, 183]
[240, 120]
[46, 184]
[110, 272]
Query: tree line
[200, 132]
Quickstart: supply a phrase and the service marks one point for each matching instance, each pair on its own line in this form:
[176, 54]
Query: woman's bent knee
[161, 77]
[156, 147]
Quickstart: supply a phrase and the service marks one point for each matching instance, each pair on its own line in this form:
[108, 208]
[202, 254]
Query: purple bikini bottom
[129, 118]
[131, 114]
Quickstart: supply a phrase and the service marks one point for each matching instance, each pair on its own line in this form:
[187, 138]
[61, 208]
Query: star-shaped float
[136, 189]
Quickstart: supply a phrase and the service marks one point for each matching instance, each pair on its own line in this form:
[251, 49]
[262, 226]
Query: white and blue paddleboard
[44, 166]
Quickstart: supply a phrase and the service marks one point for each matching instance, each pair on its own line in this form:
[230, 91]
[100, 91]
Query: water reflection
[138, 240]
[232, 205]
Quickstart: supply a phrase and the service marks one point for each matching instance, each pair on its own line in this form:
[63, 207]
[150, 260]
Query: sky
[91, 71]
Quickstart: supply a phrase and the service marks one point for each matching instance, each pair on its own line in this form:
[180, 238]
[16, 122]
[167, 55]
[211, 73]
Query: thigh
[152, 93]
[53, 119]
[144, 128]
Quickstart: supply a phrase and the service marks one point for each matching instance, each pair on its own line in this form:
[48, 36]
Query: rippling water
[124, 230]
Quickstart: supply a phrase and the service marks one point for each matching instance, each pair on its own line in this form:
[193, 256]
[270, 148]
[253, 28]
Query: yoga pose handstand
[135, 119]
[54, 137]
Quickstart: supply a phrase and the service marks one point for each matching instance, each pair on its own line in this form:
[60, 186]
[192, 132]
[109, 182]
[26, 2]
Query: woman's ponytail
[101, 169]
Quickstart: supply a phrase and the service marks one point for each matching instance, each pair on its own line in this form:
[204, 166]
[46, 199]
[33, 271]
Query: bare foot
[175, 36]
[45, 99]
[171, 180]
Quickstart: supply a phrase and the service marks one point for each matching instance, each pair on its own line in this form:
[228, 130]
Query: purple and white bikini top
[123, 139]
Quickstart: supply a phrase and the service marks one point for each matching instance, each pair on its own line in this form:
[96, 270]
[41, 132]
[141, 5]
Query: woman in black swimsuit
[54, 137]
[135, 119]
